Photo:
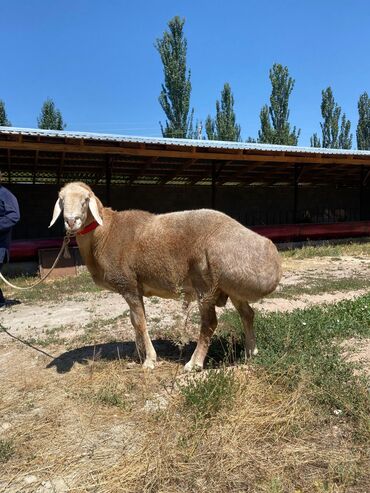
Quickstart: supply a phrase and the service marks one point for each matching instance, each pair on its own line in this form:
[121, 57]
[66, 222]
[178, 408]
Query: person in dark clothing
[9, 216]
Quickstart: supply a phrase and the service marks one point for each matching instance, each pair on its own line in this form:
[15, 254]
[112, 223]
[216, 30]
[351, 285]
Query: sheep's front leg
[144, 345]
[208, 326]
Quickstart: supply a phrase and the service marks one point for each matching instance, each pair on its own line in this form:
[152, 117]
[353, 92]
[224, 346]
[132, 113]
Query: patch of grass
[53, 290]
[274, 486]
[109, 396]
[321, 285]
[104, 386]
[328, 250]
[266, 438]
[50, 337]
[92, 333]
[305, 346]
[209, 393]
[93, 329]
[6, 450]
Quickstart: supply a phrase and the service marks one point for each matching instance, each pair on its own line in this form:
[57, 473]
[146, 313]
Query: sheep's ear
[57, 210]
[93, 205]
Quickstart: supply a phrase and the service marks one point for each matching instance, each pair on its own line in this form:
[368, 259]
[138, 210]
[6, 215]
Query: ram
[201, 255]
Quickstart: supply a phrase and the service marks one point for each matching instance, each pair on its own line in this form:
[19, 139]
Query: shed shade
[46, 156]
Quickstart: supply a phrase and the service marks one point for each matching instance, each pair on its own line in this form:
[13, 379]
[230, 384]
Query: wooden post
[108, 179]
[213, 192]
[60, 167]
[362, 179]
[297, 174]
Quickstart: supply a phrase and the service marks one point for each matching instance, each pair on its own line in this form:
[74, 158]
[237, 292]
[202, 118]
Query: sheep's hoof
[149, 364]
[191, 367]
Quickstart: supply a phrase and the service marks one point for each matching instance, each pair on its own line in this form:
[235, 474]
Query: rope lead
[64, 248]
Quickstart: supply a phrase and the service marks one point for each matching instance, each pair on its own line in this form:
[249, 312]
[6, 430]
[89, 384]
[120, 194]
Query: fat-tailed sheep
[202, 255]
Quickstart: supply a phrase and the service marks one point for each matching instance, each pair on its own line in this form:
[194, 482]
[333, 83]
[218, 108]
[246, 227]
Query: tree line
[50, 117]
[275, 127]
[274, 117]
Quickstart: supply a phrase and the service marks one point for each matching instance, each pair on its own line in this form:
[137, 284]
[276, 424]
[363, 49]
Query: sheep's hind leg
[144, 345]
[247, 316]
[208, 326]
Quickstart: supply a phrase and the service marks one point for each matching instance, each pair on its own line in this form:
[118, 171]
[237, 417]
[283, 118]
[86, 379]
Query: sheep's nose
[71, 221]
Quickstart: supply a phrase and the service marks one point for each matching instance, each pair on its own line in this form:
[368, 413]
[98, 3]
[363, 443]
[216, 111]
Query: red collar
[88, 228]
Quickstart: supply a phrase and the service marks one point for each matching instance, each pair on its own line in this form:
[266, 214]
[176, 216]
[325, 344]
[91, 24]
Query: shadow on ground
[118, 350]
[220, 352]
[8, 303]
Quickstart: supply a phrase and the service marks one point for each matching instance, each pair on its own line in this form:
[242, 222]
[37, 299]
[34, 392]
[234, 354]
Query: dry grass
[110, 428]
[107, 426]
[355, 248]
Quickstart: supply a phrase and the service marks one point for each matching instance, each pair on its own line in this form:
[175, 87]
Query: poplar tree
[334, 136]
[50, 117]
[275, 126]
[345, 136]
[4, 122]
[175, 95]
[363, 126]
[315, 140]
[224, 126]
[210, 127]
[266, 135]
[330, 112]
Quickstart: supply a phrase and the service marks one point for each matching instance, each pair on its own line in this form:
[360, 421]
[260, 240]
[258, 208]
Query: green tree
[315, 140]
[345, 136]
[275, 126]
[50, 117]
[175, 94]
[333, 135]
[330, 112]
[363, 126]
[4, 122]
[210, 127]
[267, 134]
[224, 126]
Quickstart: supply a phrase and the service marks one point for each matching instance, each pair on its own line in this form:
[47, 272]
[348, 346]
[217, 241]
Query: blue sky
[98, 62]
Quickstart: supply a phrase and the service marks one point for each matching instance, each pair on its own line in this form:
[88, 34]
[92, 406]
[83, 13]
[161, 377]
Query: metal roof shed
[108, 161]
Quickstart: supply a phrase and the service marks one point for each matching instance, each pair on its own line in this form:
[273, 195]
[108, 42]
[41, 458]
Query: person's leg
[2, 299]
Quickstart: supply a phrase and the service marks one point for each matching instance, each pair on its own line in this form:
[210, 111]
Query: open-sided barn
[286, 192]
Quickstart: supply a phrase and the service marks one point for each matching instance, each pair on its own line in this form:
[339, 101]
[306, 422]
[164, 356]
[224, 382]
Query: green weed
[305, 346]
[54, 290]
[328, 250]
[109, 396]
[321, 285]
[50, 336]
[209, 393]
[6, 450]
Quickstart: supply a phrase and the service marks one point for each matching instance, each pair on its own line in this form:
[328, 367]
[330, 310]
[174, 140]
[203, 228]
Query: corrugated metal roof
[210, 144]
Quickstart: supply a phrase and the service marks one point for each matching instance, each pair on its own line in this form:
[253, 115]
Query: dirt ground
[88, 319]
[70, 316]
[32, 320]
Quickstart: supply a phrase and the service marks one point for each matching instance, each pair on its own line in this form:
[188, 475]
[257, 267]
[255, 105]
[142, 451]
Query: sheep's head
[77, 201]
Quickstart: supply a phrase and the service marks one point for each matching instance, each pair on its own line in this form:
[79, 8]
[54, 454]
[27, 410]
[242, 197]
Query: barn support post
[362, 179]
[213, 192]
[297, 174]
[216, 172]
[108, 179]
